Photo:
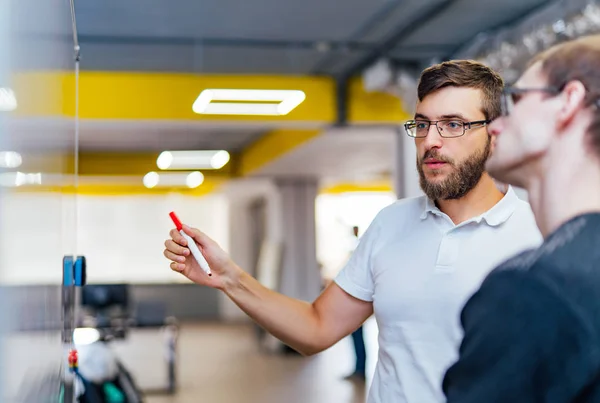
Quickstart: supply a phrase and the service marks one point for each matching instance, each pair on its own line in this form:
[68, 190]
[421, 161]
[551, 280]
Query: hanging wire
[69, 292]
[77, 50]
[77, 55]
[74, 26]
[76, 151]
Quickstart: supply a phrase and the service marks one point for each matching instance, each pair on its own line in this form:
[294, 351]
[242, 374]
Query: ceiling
[293, 37]
[260, 36]
[280, 37]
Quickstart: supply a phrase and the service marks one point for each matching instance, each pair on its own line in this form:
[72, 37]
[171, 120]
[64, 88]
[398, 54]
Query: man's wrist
[233, 281]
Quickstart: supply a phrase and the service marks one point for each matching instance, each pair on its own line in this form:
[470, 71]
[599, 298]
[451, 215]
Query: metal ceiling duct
[508, 50]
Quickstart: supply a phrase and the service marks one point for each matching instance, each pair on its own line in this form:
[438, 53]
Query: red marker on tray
[191, 244]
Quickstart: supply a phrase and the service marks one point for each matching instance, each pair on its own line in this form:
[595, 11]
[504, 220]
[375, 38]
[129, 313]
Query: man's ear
[573, 100]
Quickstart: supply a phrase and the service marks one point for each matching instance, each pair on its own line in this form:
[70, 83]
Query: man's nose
[433, 138]
[496, 127]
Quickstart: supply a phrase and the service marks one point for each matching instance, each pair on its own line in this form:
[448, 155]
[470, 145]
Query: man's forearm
[294, 322]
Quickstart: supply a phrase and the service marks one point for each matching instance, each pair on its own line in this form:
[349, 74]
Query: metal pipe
[379, 16]
[224, 42]
[516, 27]
[342, 101]
[428, 12]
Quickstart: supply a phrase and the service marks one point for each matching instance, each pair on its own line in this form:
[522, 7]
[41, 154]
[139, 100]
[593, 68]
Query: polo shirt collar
[494, 216]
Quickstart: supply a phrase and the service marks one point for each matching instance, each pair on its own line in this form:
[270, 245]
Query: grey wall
[37, 307]
[31, 307]
[184, 301]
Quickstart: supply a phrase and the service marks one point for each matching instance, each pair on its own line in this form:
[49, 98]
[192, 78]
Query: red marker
[191, 244]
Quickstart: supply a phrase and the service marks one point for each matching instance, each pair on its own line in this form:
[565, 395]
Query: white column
[289, 260]
[405, 175]
[299, 276]
[240, 250]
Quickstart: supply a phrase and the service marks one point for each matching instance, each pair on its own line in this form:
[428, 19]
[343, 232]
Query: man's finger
[177, 237]
[178, 267]
[176, 248]
[196, 234]
[173, 257]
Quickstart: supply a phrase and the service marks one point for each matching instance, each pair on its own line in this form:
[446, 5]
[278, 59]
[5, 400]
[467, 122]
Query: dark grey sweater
[532, 330]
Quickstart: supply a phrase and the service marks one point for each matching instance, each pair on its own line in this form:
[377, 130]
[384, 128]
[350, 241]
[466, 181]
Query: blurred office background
[91, 164]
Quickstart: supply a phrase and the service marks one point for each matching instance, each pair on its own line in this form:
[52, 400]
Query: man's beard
[460, 181]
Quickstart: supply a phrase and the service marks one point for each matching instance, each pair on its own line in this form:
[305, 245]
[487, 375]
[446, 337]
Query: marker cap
[176, 220]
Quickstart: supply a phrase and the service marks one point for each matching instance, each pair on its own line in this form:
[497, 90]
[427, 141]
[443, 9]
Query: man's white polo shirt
[419, 269]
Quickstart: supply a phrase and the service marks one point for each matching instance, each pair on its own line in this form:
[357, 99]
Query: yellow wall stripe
[375, 186]
[43, 94]
[373, 107]
[105, 164]
[97, 163]
[142, 95]
[272, 146]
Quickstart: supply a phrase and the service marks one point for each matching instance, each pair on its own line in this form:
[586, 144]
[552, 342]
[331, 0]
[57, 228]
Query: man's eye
[421, 125]
[454, 125]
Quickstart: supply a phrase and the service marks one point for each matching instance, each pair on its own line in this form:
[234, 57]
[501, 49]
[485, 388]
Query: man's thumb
[196, 234]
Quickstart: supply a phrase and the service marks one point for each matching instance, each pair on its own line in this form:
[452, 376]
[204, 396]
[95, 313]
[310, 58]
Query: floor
[220, 363]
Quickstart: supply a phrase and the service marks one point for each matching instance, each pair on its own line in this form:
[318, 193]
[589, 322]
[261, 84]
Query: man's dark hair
[465, 73]
[576, 60]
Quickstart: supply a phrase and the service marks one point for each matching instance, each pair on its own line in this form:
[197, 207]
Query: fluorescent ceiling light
[10, 159]
[194, 180]
[173, 179]
[205, 159]
[247, 102]
[219, 159]
[8, 101]
[151, 179]
[16, 179]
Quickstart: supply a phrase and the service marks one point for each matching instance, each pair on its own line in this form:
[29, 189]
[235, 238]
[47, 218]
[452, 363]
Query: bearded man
[419, 260]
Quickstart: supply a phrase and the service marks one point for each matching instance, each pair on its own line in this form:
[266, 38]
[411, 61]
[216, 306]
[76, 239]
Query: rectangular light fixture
[247, 102]
[10, 159]
[173, 179]
[201, 159]
[17, 179]
[8, 100]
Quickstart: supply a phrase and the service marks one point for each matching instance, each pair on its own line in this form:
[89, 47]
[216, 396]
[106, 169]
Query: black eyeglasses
[446, 128]
[512, 95]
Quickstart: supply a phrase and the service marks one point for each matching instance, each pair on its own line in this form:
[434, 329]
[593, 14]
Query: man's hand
[224, 270]
[307, 327]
